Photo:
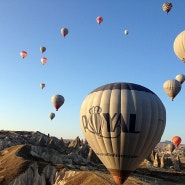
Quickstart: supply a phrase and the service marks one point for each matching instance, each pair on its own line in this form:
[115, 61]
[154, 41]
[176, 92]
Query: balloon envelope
[122, 123]
[126, 32]
[180, 78]
[167, 6]
[179, 46]
[42, 85]
[23, 54]
[57, 101]
[64, 31]
[99, 19]
[44, 60]
[51, 115]
[176, 140]
[42, 49]
[172, 88]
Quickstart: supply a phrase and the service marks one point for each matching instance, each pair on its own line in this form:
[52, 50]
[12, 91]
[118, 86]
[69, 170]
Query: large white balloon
[172, 88]
[122, 122]
[179, 46]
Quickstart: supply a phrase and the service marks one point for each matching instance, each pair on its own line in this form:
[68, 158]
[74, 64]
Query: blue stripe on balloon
[121, 86]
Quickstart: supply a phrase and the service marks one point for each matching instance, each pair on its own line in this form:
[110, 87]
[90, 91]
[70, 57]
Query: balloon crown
[95, 110]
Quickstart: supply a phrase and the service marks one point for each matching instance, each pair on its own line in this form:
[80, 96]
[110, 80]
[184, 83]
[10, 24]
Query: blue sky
[91, 55]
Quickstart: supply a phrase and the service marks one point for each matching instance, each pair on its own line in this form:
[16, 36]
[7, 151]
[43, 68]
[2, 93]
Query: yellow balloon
[167, 6]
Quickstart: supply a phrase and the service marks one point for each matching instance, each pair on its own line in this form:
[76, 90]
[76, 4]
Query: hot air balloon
[51, 115]
[126, 32]
[64, 31]
[99, 19]
[122, 122]
[170, 147]
[172, 88]
[42, 49]
[180, 78]
[167, 6]
[23, 54]
[57, 101]
[176, 140]
[42, 85]
[179, 46]
[44, 60]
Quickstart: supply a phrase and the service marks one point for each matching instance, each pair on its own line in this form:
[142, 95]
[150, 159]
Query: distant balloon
[64, 31]
[99, 19]
[172, 88]
[42, 85]
[167, 6]
[119, 128]
[23, 54]
[126, 32]
[44, 60]
[42, 49]
[57, 101]
[180, 78]
[170, 147]
[51, 115]
[176, 140]
[179, 46]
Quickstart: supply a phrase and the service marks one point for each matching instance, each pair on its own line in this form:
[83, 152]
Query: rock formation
[156, 160]
[177, 164]
[33, 158]
[41, 153]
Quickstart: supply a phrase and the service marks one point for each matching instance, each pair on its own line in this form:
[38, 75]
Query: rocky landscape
[33, 158]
